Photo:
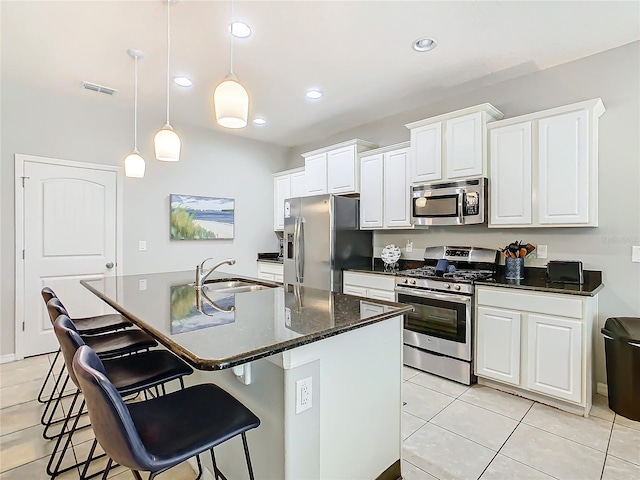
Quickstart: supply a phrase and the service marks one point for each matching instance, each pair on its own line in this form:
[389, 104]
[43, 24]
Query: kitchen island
[346, 349]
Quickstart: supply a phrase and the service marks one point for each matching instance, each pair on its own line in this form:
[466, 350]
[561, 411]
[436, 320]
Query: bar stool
[160, 433]
[130, 375]
[86, 326]
[106, 345]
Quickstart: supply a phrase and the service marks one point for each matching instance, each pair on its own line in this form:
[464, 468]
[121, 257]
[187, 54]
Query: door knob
[109, 265]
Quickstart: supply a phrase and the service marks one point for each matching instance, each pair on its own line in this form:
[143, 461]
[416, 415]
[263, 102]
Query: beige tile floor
[449, 432]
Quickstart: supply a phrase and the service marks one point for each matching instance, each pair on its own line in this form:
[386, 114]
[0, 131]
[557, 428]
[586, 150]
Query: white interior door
[70, 234]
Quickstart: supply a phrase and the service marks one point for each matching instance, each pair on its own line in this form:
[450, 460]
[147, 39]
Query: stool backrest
[55, 309]
[48, 294]
[110, 419]
[69, 340]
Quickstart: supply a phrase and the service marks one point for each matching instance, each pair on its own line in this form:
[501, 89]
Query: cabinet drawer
[379, 282]
[268, 267]
[558, 305]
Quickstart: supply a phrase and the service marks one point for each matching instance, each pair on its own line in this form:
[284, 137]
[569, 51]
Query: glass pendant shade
[231, 103]
[134, 165]
[167, 143]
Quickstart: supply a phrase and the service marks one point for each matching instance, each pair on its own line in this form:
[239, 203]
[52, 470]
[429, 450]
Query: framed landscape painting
[201, 218]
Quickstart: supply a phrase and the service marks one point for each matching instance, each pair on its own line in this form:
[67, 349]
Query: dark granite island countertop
[237, 328]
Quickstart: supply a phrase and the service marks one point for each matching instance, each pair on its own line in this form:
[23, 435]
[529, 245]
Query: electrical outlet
[635, 254]
[304, 394]
[142, 284]
[541, 251]
[142, 245]
[409, 247]
[287, 316]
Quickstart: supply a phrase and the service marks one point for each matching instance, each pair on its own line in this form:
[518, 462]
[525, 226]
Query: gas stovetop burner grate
[430, 272]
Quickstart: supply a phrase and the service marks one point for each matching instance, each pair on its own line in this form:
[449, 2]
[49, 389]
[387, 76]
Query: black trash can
[622, 349]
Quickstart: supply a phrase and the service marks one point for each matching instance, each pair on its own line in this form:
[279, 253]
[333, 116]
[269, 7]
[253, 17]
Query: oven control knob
[447, 286]
[413, 282]
[406, 280]
[457, 287]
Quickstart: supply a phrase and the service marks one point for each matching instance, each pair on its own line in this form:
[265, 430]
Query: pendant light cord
[135, 107]
[231, 41]
[168, 52]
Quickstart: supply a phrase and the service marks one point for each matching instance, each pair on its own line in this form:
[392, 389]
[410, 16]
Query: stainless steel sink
[232, 285]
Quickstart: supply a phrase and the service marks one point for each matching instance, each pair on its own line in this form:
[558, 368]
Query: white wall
[613, 76]
[91, 129]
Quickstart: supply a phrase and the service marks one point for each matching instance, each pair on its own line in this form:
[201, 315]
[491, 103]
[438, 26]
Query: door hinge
[23, 178]
[23, 326]
[23, 254]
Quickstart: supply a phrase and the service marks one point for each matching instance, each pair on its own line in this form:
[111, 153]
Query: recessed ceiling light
[314, 94]
[183, 81]
[425, 44]
[259, 121]
[240, 30]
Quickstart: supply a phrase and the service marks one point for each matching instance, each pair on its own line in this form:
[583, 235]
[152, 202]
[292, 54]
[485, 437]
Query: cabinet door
[426, 153]
[298, 185]
[464, 146]
[342, 170]
[396, 189]
[353, 290]
[510, 174]
[315, 168]
[381, 295]
[563, 191]
[266, 276]
[282, 190]
[555, 357]
[498, 345]
[371, 191]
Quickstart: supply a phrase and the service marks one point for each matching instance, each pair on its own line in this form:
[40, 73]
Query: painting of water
[201, 218]
[187, 315]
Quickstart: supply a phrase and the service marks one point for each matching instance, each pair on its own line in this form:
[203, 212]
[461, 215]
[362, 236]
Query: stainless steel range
[438, 334]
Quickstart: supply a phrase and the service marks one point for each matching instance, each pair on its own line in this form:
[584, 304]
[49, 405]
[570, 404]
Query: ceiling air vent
[98, 88]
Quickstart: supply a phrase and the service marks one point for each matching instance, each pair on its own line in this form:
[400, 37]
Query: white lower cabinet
[554, 359]
[273, 272]
[537, 343]
[374, 286]
[498, 345]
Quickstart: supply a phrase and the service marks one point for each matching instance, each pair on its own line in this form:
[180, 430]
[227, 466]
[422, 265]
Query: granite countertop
[534, 278]
[232, 329]
[271, 260]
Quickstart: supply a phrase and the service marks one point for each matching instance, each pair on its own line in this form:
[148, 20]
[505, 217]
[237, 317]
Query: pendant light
[134, 163]
[230, 99]
[166, 141]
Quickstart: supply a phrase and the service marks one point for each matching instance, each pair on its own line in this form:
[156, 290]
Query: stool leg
[56, 471]
[246, 454]
[53, 394]
[107, 468]
[46, 379]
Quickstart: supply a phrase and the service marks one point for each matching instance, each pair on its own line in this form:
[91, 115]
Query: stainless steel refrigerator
[322, 237]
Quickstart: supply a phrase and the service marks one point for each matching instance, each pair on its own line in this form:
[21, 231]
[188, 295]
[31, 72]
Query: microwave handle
[461, 208]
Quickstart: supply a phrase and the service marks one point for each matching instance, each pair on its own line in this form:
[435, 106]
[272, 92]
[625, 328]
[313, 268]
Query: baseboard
[602, 389]
[7, 358]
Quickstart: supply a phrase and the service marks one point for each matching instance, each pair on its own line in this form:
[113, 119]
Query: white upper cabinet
[281, 191]
[427, 153]
[563, 155]
[510, 166]
[298, 184]
[544, 168]
[315, 168]
[451, 146]
[371, 191]
[384, 188]
[335, 169]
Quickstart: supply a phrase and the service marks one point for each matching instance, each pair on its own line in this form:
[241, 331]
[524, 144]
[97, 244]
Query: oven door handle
[437, 296]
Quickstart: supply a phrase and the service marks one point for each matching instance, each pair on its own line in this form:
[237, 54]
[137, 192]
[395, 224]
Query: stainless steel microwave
[452, 203]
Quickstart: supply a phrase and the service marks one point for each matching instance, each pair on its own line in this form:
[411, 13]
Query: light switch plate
[409, 246]
[142, 245]
[635, 254]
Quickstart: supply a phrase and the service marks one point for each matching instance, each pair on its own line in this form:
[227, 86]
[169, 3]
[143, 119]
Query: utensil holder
[514, 268]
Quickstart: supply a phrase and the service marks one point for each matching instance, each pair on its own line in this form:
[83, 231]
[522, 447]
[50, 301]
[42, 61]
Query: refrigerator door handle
[296, 254]
[301, 249]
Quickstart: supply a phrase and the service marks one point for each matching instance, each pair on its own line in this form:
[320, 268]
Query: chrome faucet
[201, 276]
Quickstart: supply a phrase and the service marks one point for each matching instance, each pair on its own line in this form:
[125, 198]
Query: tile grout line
[606, 453]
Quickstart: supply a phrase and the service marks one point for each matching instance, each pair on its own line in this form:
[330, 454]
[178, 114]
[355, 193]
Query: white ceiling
[358, 52]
